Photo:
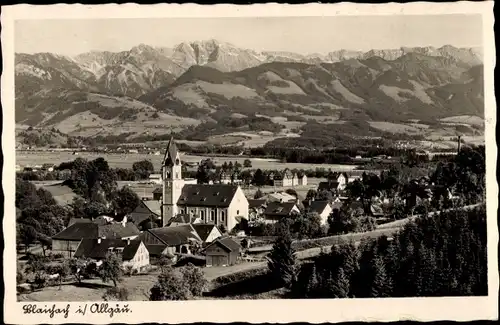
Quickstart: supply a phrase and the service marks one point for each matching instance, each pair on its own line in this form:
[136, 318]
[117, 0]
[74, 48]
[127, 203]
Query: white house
[322, 208]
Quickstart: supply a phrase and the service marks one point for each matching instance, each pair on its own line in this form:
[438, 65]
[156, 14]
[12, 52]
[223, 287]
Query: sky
[304, 35]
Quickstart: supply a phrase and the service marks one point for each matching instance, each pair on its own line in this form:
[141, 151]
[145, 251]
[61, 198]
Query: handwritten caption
[95, 308]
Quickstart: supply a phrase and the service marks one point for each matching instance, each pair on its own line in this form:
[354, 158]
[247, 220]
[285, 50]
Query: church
[223, 205]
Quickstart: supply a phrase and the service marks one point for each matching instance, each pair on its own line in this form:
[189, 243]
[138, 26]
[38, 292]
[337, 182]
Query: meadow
[115, 160]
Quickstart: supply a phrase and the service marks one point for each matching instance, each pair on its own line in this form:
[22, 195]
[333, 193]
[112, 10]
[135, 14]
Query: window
[222, 216]
[212, 215]
[202, 215]
[237, 211]
[176, 175]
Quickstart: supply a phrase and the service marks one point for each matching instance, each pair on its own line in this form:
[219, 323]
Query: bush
[239, 276]
[116, 293]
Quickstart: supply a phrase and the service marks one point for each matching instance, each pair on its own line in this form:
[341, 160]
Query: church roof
[170, 153]
[216, 195]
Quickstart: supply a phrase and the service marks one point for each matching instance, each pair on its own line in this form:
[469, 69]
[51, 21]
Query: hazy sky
[304, 35]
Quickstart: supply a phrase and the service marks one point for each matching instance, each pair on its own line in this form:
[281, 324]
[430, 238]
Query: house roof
[279, 208]
[174, 236]
[203, 230]
[144, 211]
[118, 230]
[183, 218]
[78, 231]
[280, 197]
[318, 206]
[81, 220]
[328, 185]
[155, 249]
[227, 243]
[256, 203]
[81, 230]
[97, 250]
[62, 194]
[158, 190]
[214, 195]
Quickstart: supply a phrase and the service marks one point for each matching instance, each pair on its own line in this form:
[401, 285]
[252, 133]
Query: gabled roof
[214, 195]
[144, 211]
[318, 206]
[82, 229]
[153, 206]
[226, 243]
[92, 248]
[118, 230]
[203, 230]
[279, 208]
[81, 220]
[183, 218]
[256, 203]
[171, 153]
[174, 236]
[328, 185]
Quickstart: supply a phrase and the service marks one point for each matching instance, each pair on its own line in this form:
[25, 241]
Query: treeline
[444, 255]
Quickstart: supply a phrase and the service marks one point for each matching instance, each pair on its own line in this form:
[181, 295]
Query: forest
[444, 255]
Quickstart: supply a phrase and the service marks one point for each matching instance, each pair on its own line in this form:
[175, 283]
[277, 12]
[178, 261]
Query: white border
[254, 311]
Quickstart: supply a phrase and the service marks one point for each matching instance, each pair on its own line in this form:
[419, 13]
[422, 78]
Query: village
[222, 225]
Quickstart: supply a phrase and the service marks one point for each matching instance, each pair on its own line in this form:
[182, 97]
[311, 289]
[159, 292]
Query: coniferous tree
[381, 284]
[281, 260]
[342, 285]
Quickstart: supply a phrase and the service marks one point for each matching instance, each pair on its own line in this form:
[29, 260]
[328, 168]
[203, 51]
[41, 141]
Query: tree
[125, 201]
[170, 286]
[163, 262]
[193, 276]
[259, 179]
[258, 194]
[341, 285]
[247, 163]
[381, 284]
[77, 267]
[143, 169]
[308, 225]
[111, 269]
[27, 235]
[281, 261]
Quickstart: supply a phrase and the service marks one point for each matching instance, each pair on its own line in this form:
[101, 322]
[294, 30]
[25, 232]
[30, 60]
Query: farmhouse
[207, 233]
[279, 197]
[322, 208]
[171, 240]
[67, 241]
[132, 252]
[276, 210]
[155, 179]
[302, 178]
[284, 179]
[222, 252]
[146, 215]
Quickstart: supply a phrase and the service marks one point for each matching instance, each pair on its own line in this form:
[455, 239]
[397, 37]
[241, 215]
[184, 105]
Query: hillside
[205, 89]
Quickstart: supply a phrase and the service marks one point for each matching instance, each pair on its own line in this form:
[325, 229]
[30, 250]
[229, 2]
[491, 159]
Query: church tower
[172, 182]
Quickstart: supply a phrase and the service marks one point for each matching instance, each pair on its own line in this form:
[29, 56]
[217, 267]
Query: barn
[222, 252]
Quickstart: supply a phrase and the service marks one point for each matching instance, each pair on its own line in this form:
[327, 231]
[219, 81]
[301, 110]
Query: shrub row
[239, 276]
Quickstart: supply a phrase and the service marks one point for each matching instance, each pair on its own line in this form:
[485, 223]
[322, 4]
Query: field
[30, 158]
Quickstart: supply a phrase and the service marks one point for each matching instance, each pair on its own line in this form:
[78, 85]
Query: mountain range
[153, 90]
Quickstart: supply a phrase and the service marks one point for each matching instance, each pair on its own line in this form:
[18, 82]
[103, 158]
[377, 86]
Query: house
[66, 241]
[322, 208]
[337, 177]
[222, 252]
[283, 179]
[133, 253]
[157, 194]
[171, 240]
[295, 179]
[207, 233]
[219, 204]
[146, 215]
[302, 179]
[277, 210]
[184, 219]
[279, 197]
[225, 177]
[256, 209]
[155, 179]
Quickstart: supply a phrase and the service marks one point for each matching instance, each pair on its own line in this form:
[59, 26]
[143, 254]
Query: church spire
[171, 153]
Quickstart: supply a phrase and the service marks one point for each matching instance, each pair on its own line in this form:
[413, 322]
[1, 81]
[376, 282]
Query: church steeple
[171, 154]
[172, 181]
